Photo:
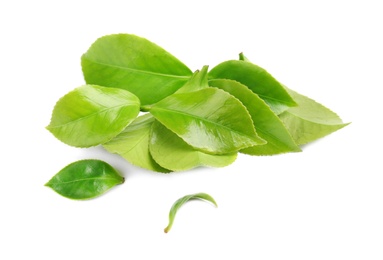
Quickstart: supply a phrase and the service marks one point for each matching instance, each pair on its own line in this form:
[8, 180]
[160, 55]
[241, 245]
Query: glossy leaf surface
[309, 120]
[135, 64]
[91, 115]
[173, 153]
[133, 144]
[257, 80]
[85, 179]
[210, 120]
[268, 126]
[178, 204]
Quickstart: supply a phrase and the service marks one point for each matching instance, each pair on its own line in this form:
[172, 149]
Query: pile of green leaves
[144, 104]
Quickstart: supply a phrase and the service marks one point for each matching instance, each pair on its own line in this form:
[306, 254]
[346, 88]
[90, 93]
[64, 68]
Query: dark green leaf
[133, 144]
[309, 120]
[133, 63]
[210, 120]
[173, 153]
[268, 126]
[85, 179]
[91, 115]
[257, 80]
[178, 204]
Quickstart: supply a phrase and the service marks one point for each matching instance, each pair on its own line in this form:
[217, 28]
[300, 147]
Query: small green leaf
[182, 201]
[257, 80]
[91, 115]
[196, 82]
[133, 144]
[268, 126]
[309, 120]
[85, 179]
[135, 64]
[173, 153]
[210, 120]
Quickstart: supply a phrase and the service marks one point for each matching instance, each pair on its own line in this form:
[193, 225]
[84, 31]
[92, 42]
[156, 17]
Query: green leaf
[135, 64]
[309, 120]
[198, 81]
[133, 144]
[173, 153]
[257, 80]
[268, 126]
[91, 115]
[178, 204]
[210, 120]
[85, 179]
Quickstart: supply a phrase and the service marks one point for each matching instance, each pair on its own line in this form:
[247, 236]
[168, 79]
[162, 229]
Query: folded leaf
[309, 120]
[268, 126]
[91, 115]
[85, 179]
[210, 120]
[178, 204]
[173, 153]
[133, 144]
[135, 64]
[257, 80]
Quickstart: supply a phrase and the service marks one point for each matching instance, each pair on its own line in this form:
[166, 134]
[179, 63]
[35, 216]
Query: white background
[323, 203]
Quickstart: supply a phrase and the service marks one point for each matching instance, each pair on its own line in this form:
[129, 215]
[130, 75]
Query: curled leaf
[183, 200]
[85, 179]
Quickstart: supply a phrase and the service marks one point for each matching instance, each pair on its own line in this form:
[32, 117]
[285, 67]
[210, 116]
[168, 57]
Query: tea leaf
[309, 120]
[268, 126]
[85, 179]
[171, 152]
[133, 144]
[198, 81]
[135, 64]
[257, 80]
[91, 115]
[178, 204]
[210, 120]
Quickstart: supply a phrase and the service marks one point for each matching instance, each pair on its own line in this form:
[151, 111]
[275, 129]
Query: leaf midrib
[90, 115]
[85, 179]
[139, 71]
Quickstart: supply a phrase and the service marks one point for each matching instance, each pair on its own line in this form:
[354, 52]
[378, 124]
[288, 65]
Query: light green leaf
[133, 144]
[178, 204]
[268, 126]
[91, 115]
[257, 80]
[85, 179]
[309, 120]
[210, 120]
[171, 152]
[135, 64]
[196, 82]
